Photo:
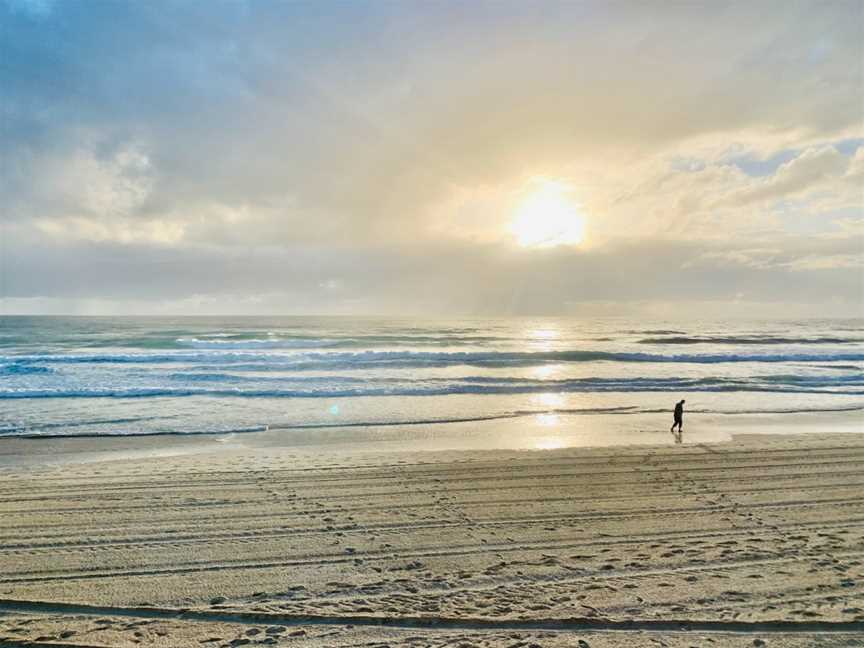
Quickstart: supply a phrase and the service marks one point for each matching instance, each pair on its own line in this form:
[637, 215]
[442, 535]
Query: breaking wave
[407, 359]
[21, 369]
[748, 340]
[250, 387]
[229, 375]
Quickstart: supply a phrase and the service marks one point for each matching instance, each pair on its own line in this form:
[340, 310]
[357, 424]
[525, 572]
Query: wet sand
[758, 541]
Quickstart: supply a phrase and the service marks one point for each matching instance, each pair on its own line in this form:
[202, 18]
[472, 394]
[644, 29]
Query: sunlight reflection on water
[545, 371]
[549, 400]
[543, 339]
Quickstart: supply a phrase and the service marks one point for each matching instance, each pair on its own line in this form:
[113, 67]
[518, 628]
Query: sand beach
[147, 542]
[336, 324]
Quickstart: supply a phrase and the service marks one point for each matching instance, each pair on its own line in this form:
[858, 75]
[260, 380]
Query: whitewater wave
[748, 340]
[798, 385]
[21, 369]
[547, 384]
[227, 342]
[301, 361]
[254, 344]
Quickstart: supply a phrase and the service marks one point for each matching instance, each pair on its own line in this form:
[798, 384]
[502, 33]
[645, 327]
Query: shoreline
[473, 436]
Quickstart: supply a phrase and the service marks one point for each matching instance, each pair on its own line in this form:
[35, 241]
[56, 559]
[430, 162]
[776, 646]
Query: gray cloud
[164, 150]
[440, 279]
[800, 174]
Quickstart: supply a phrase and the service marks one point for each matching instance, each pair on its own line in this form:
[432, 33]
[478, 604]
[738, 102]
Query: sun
[548, 217]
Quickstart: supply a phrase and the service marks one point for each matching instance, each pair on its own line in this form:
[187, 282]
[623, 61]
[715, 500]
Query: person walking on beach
[678, 420]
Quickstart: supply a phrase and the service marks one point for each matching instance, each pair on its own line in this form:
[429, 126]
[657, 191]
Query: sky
[432, 158]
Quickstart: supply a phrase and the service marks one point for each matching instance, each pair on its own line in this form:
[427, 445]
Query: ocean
[513, 382]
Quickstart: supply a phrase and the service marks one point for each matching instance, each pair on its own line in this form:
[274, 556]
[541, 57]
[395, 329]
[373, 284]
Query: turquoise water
[124, 376]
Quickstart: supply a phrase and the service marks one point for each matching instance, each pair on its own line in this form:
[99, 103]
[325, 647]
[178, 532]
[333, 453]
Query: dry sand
[755, 542]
